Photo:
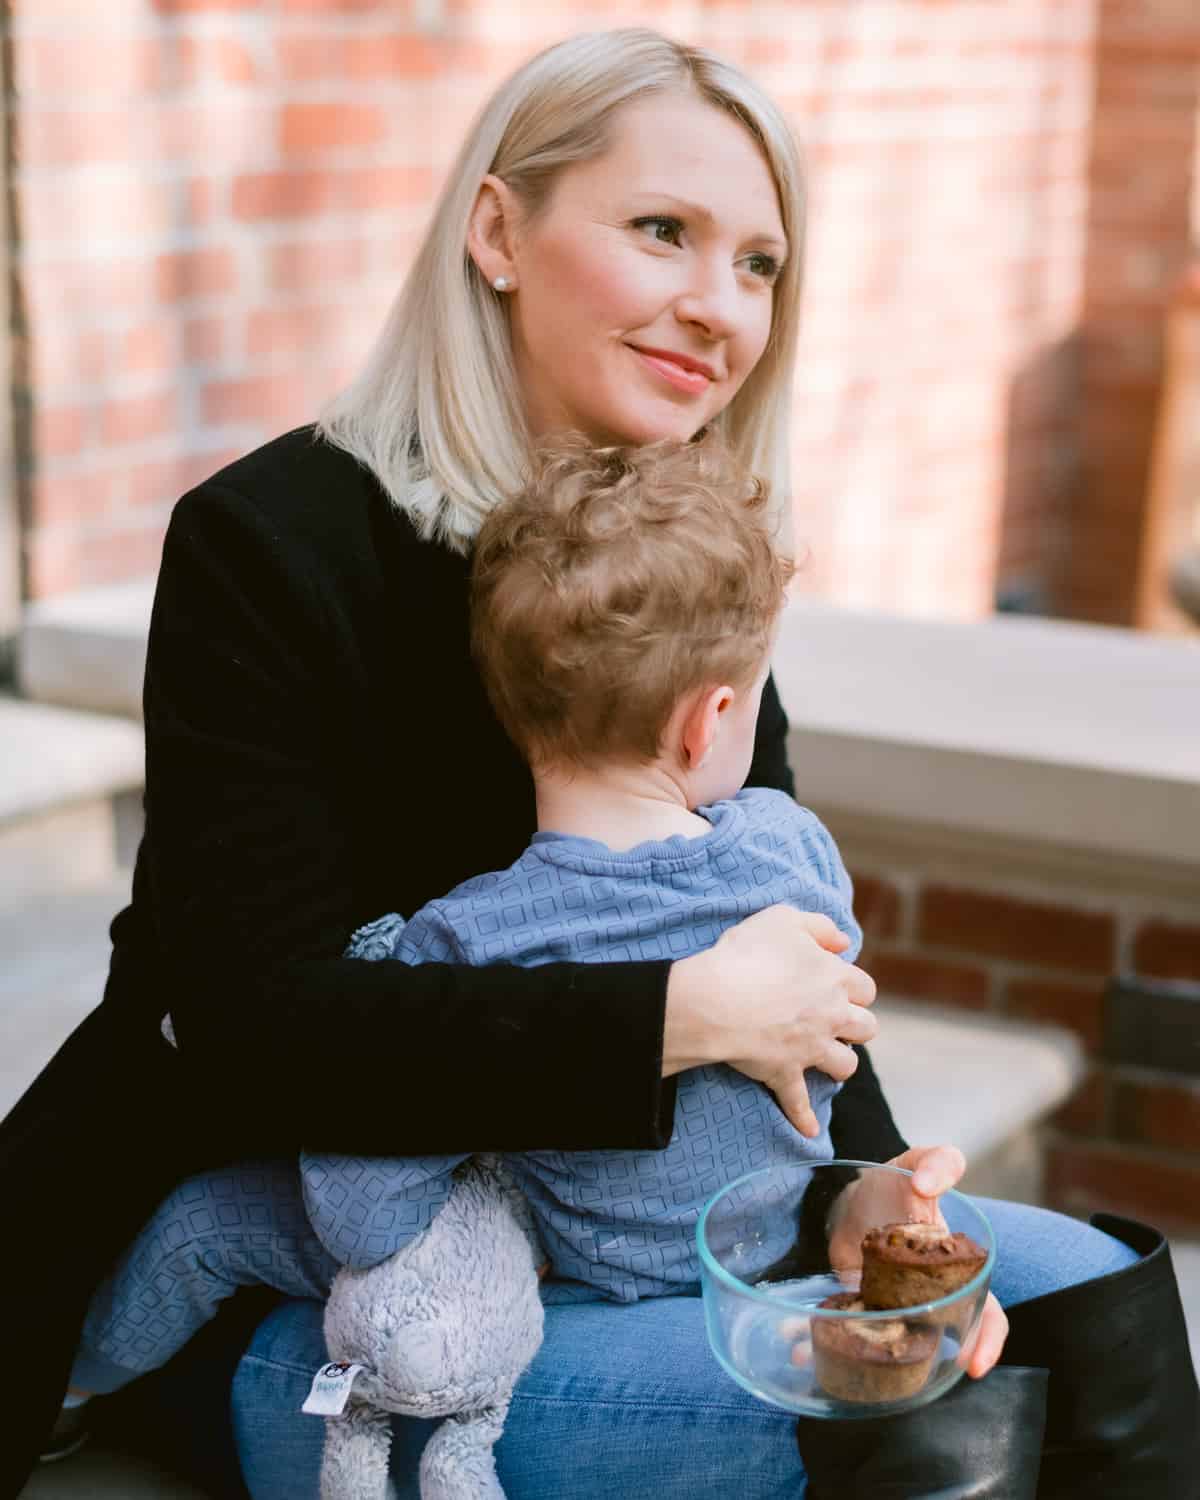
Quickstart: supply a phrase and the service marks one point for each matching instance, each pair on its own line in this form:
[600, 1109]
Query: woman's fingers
[859, 1025]
[825, 932]
[792, 1097]
[878, 1197]
[935, 1169]
[993, 1330]
[771, 998]
[838, 1060]
[860, 987]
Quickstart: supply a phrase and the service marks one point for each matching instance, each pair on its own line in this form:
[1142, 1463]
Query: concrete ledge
[1058, 735]
[55, 756]
[975, 1082]
[70, 800]
[88, 649]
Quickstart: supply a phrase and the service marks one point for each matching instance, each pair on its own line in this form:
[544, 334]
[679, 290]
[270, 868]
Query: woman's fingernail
[925, 1183]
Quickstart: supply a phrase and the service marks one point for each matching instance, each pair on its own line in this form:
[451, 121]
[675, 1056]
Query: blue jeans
[621, 1402]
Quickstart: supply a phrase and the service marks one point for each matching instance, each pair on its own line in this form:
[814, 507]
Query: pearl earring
[502, 283]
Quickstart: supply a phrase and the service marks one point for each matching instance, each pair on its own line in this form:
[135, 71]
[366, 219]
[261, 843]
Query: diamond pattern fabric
[615, 1224]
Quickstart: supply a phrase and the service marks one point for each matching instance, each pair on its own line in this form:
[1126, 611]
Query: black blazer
[319, 750]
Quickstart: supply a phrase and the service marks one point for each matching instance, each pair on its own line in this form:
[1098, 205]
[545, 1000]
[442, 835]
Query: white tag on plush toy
[330, 1390]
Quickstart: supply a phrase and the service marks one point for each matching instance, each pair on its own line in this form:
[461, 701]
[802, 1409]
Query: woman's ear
[491, 231]
[702, 723]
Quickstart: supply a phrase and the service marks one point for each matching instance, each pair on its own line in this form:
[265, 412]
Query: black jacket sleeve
[248, 875]
[248, 872]
[862, 1126]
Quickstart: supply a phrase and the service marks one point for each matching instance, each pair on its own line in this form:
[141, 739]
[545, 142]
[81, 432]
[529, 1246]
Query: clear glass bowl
[764, 1256]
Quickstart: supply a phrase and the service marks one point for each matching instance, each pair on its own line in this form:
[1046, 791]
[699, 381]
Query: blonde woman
[618, 251]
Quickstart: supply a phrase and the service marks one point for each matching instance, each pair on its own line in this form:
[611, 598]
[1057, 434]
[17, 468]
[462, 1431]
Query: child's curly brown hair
[618, 582]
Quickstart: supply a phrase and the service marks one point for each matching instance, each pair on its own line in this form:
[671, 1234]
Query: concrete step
[56, 952]
[982, 1083]
[55, 960]
[95, 1474]
[88, 649]
[70, 798]
[1186, 1256]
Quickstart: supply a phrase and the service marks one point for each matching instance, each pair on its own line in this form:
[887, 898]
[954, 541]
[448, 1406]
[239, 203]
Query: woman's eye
[765, 266]
[665, 230]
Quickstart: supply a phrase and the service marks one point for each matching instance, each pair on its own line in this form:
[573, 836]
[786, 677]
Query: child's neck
[619, 805]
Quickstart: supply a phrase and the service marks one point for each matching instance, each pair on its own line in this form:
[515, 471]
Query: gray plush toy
[443, 1328]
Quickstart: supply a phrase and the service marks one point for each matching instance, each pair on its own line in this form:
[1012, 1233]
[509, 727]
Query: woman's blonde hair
[618, 582]
[436, 413]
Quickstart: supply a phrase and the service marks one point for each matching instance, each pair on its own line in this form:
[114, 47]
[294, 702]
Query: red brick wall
[1143, 223]
[218, 198]
[1129, 1139]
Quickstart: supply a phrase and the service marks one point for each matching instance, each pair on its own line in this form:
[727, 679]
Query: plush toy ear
[358, 1445]
[458, 1462]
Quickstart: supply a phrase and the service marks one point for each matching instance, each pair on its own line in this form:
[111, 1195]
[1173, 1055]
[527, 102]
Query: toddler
[623, 612]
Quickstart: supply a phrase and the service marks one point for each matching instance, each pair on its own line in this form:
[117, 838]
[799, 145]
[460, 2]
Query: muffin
[872, 1359]
[904, 1265]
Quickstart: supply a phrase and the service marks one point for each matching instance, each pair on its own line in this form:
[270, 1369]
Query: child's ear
[702, 723]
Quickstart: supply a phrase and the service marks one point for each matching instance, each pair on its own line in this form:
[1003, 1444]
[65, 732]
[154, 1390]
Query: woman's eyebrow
[706, 216]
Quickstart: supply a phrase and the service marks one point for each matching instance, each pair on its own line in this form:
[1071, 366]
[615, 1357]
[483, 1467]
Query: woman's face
[644, 288]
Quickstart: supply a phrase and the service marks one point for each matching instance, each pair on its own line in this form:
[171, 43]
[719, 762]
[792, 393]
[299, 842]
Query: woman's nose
[711, 302]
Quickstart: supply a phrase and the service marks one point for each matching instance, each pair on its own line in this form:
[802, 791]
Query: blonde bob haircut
[435, 413]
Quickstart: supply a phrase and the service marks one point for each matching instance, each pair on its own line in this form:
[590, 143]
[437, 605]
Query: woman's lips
[692, 382]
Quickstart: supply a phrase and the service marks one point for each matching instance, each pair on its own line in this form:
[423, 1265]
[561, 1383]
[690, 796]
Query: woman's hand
[886, 1198]
[771, 998]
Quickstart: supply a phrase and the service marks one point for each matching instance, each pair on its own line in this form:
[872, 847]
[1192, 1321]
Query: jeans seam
[707, 1408]
[637, 1404]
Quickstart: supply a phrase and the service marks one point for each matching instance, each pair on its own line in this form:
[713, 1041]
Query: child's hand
[886, 1198]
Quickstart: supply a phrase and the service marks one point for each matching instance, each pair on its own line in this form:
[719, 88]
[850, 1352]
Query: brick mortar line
[1006, 970]
[1027, 891]
[1138, 1073]
[1127, 1150]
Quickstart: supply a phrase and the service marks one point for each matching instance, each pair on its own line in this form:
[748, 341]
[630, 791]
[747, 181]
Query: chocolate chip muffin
[907, 1264]
[870, 1359]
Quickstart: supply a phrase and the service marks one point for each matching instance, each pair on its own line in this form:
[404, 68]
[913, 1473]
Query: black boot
[980, 1441]
[1123, 1410]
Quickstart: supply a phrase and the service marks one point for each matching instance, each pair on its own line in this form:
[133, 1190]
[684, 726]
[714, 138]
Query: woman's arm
[250, 873]
[269, 642]
[862, 1125]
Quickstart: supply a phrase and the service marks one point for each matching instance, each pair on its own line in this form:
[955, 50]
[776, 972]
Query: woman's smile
[690, 380]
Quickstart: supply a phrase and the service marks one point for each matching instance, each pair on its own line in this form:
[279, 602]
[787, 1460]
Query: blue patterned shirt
[614, 1224]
